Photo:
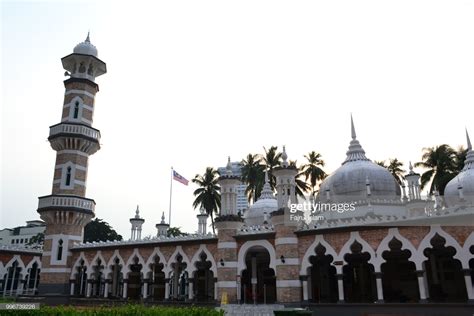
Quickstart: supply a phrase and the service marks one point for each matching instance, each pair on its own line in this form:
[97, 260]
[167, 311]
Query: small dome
[462, 186]
[260, 211]
[86, 48]
[350, 181]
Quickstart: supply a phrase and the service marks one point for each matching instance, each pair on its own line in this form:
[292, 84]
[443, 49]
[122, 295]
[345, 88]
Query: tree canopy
[98, 230]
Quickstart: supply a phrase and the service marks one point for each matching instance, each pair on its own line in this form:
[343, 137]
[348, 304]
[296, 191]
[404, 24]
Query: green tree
[301, 185]
[394, 166]
[312, 170]
[98, 230]
[271, 160]
[460, 157]
[381, 163]
[175, 231]
[208, 194]
[37, 240]
[441, 164]
[253, 174]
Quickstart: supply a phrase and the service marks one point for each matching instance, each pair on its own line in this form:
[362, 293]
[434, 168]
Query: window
[21, 241]
[60, 250]
[76, 110]
[13, 240]
[68, 176]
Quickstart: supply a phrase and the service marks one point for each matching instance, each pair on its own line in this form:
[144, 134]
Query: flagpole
[171, 192]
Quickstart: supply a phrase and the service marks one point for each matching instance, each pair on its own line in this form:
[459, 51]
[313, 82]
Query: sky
[192, 82]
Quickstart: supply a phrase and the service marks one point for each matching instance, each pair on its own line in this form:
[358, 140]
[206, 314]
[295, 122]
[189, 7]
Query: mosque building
[391, 246]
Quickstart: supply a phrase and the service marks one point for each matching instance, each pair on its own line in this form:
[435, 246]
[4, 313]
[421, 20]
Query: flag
[179, 178]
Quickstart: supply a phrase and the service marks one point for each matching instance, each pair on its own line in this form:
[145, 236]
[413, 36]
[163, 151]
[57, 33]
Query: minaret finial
[88, 40]
[353, 131]
[284, 156]
[469, 145]
[163, 218]
[228, 167]
[137, 212]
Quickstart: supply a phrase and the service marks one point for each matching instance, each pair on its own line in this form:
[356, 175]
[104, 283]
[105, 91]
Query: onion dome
[349, 182]
[266, 203]
[461, 188]
[86, 48]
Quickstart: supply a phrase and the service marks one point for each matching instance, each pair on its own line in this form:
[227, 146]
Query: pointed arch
[415, 255]
[178, 251]
[135, 254]
[197, 257]
[36, 260]
[450, 241]
[365, 248]
[151, 258]
[20, 263]
[77, 264]
[318, 240]
[252, 243]
[113, 257]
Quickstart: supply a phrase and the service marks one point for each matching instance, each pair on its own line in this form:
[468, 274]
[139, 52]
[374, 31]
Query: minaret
[228, 183]
[67, 210]
[413, 181]
[202, 221]
[286, 242]
[137, 223]
[162, 227]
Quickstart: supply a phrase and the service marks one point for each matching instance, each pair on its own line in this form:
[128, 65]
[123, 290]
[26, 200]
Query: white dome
[352, 180]
[465, 180]
[86, 48]
[260, 210]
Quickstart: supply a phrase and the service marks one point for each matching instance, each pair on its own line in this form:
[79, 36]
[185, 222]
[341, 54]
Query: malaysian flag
[180, 178]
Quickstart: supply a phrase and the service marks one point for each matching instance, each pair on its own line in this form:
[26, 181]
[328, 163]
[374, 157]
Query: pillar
[190, 288]
[72, 288]
[378, 280]
[421, 286]
[106, 289]
[469, 286]
[125, 289]
[340, 287]
[145, 289]
[167, 289]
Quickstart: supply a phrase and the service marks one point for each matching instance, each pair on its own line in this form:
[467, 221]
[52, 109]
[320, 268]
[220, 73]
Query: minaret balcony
[66, 203]
[74, 136]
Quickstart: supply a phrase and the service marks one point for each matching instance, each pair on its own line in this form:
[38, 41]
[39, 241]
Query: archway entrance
[204, 280]
[444, 273]
[358, 277]
[399, 280]
[258, 281]
[178, 280]
[157, 279]
[135, 280]
[322, 279]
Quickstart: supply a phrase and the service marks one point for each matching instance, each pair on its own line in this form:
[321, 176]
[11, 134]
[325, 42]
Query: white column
[421, 285]
[125, 289]
[340, 288]
[378, 279]
[88, 289]
[468, 280]
[254, 279]
[305, 289]
[106, 289]
[190, 290]
[145, 289]
[72, 288]
[19, 287]
[167, 290]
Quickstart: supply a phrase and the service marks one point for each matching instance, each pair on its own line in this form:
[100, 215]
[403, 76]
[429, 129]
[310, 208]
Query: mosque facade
[389, 245]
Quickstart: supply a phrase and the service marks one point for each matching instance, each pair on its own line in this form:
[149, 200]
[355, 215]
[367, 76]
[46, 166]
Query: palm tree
[301, 185]
[441, 164]
[394, 166]
[272, 159]
[208, 194]
[460, 158]
[253, 175]
[312, 170]
[381, 163]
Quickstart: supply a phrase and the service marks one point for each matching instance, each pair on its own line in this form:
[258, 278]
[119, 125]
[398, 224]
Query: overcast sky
[191, 82]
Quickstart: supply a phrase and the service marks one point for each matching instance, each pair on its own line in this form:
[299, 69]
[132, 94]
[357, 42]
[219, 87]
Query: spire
[469, 162]
[469, 145]
[267, 192]
[284, 156]
[355, 152]
[228, 167]
[137, 212]
[163, 218]
[353, 131]
[88, 40]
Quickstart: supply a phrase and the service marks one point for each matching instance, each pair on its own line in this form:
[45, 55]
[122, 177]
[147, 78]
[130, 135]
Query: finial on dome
[163, 218]
[267, 192]
[284, 156]
[469, 145]
[353, 131]
[88, 40]
[228, 167]
[137, 212]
